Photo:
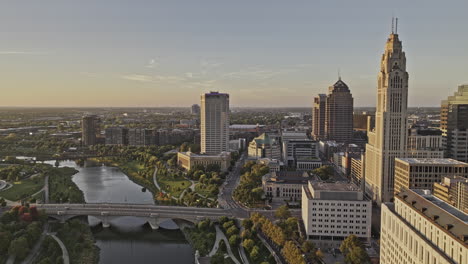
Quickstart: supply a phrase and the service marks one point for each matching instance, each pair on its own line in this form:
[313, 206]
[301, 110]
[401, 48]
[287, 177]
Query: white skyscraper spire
[389, 138]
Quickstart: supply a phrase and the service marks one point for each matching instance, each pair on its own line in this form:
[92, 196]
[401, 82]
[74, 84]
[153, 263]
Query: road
[139, 210]
[225, 198]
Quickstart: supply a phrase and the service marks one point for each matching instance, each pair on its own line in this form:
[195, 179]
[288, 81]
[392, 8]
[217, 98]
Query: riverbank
[61, 187]
[133, 171]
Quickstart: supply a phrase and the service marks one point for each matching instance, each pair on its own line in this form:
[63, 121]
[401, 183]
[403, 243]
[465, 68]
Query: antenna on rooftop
[339, 74]
[393, 24]
[396, 25]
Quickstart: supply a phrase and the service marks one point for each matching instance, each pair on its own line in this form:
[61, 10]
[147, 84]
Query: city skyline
[103, 55]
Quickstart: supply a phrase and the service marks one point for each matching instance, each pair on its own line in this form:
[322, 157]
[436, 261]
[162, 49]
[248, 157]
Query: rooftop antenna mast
[339, 74]
[393, 25]
[396, 25]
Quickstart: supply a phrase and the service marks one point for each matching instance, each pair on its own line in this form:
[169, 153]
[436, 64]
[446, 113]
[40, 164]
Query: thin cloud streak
[21, 53]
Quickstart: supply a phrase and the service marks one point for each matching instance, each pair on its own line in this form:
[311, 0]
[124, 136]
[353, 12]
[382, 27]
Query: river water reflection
[128, 240]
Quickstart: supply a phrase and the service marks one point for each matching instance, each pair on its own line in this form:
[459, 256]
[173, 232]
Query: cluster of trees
[324, 172]
[195, 148]
[143, 154]
[194, 199]
[61, 187]
[50, 252]
[77, 237]
[285, 235]
[34, 145]
[260, 117]
[202, 236]
[272, 231]
[249, 191]
[255, 249]
[209, 179]
[230, 229]
[20, 228]
[219, 257]
[17, 172]
[354, 251]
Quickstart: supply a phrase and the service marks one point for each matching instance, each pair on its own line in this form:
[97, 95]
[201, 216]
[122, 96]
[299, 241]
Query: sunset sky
[264, 53]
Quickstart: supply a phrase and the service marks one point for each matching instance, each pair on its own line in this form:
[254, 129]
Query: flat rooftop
[335, 186]
[432, 161]
[242, 126]
[449, 218]
[443, 205]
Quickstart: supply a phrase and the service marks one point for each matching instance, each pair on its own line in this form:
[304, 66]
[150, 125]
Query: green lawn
[202, 190]
[23, 189]
[174, 186]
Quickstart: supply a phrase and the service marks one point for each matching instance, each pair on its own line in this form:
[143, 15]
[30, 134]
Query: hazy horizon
[263, 53]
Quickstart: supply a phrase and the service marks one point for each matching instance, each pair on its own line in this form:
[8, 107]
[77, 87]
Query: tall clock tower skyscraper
[388, 139]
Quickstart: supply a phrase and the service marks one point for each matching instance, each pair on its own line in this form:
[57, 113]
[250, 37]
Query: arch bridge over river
[154, 214]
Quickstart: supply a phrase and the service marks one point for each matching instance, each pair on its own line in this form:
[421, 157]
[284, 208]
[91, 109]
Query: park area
[23, 189]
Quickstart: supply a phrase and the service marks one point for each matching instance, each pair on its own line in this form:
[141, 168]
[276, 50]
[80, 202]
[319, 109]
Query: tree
[19, 248]
[357, 255]
[228, 225]
[283, 212]
[319, 254]
[233, 240]
[232, 231]
[5, 239]
[248, 244]
[292, 254]
[247, 224]
[324, 172]
[353, 250]
[255, 253]
[308, 247]
[246, 234]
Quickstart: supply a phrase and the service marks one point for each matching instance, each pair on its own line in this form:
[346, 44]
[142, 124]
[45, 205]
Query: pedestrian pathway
[242, 250]
[65, 256]
[220, 236]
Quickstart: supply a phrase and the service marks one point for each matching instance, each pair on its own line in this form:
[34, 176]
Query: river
[128, 240]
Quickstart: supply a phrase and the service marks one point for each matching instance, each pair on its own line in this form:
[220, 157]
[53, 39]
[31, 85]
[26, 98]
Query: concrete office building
[454, 124]
[284, 185]
[141, 137]
[318, 117]
[339, 113]
[290, 135]
[214, 123]
[357, 172]
[195, 109]
[361, 120]
[116, 136]
[301, 154]
[420, 228]
[411, 173]
[90, 129]
[333, 211]
[428, 139]
[454, 191]
[424, 143]
[264, 146]
[273, 164]
[237, 144]
[388, 139]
